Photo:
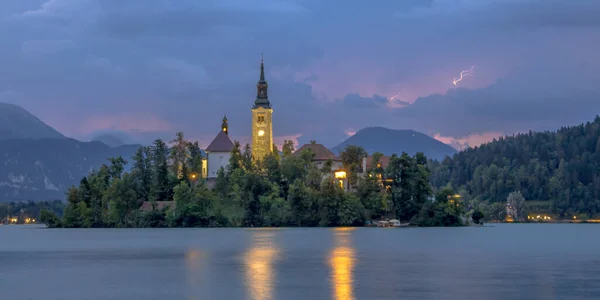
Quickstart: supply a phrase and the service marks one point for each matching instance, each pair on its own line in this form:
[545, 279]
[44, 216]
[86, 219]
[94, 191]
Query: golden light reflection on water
[259, 259]
[194, 262]
[342, 261]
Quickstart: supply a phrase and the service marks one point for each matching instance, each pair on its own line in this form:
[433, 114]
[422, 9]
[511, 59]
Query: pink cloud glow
[124, 122]
[472, 140]
[335, 75]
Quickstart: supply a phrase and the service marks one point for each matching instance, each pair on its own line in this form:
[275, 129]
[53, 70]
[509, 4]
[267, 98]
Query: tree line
[283, 189]
[555, 172]
[21, 211]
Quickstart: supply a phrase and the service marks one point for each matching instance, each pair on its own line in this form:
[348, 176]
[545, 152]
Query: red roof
[221, 143]
[321, 152]
[384, 161]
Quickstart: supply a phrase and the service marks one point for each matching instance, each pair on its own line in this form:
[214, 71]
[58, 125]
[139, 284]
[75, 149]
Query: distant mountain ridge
[109, 140]
[44, 169]
[390, 141]
[39, 163]
[18, 123]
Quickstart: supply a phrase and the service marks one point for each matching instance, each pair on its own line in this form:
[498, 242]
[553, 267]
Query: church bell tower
[262, 122]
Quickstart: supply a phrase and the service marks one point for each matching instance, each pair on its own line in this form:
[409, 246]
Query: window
[261, 119]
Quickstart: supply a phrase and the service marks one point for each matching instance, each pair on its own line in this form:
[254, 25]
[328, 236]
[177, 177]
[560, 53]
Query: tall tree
[179, 155]
[160, 174]
[288, 148]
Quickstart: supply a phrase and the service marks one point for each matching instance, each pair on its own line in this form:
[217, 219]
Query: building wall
[336, 165]
[216, 160]
[262, 120]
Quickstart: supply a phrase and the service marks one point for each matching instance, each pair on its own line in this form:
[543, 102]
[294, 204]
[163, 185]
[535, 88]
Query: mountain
[109, 140]
[44, 169]
[39, 163]
[389, 141]
[17, 123]
[559, 170]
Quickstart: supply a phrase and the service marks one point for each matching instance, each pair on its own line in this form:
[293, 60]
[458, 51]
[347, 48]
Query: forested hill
[561, 166]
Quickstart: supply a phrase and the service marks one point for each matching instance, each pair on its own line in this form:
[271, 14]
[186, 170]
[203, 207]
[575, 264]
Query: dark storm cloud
[150, 68]
[356, 101]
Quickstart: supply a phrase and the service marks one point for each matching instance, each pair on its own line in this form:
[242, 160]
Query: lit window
[341, 182]
[340, 174]
[261, 132]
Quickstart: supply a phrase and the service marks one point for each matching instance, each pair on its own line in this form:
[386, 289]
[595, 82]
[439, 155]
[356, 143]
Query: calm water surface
[508, 261]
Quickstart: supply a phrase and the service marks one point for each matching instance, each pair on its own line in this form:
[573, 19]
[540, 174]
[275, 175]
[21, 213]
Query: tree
[288, 148]
[142, 172]
[478, 216]
[194, 162]
[515, 204]
[352, 158]
[180, 157]
[236, 160]
[123, 202]
[400, 172]
[161, 189]
[117, 166]
[50, 219]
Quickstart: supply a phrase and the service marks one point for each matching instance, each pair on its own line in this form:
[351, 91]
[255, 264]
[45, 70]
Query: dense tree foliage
[277, 191]
[554, 171]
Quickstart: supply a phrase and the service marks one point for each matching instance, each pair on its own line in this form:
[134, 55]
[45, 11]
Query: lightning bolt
[463, 74]
[392, 98]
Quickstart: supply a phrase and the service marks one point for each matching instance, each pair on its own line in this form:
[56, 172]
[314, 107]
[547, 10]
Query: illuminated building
[218, 152]
[321, 158]
[376, 168]
[340, 178]
[262, 119]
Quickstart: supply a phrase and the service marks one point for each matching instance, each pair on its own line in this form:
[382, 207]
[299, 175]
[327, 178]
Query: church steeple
[262, 69]
[224, 125]
[262, 98]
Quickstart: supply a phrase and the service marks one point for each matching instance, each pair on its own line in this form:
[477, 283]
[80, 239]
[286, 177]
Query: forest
[555, 172]
[283, 189]
[20, 212]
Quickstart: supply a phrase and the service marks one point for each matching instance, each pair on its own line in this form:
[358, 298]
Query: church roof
[321, 152]
[221, 143]
[384, 161]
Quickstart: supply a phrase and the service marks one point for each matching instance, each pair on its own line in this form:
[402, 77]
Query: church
[219, 150]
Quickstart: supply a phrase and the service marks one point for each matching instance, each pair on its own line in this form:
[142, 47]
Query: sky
[145, 69]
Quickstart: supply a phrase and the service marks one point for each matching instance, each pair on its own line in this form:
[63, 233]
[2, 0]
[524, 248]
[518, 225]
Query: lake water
[506, 261]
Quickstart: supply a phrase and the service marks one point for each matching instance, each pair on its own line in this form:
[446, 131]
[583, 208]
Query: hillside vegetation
[560, 167]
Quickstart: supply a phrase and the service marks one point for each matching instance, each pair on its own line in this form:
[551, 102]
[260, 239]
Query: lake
[502, 261]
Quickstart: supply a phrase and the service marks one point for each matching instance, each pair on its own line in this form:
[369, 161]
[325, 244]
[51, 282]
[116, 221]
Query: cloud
[472, 140]
[356, 101]
[330, 70]
[127, 123]
[104, 64]
[183, 74]
[40, 48]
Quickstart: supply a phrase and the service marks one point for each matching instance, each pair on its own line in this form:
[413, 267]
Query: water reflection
[342, 260]
[195, 260]
[260, 274]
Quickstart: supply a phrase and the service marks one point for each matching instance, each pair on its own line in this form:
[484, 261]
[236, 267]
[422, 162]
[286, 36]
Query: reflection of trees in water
[260, 274]
[342, 261]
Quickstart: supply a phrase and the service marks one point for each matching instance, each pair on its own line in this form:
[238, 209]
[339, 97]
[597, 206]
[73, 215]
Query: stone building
[262, 119]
